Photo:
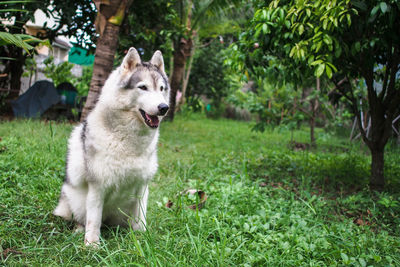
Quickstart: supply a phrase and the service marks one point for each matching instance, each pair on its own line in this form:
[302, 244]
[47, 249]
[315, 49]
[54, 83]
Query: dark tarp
[36, 100]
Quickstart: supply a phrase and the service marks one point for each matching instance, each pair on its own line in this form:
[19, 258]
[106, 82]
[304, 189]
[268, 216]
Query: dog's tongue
[153, 120]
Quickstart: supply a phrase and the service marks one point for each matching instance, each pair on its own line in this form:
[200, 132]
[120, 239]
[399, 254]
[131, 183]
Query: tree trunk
[312, 130]
[106, 47]
[103, 64]
[377, 180]
[186, 79]
[182, 51]
[314, 113]
[16, 71]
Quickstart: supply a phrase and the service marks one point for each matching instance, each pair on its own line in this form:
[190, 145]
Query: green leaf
[316, 62]
[328, 71]
[374, 10]
[383, 6]
[331, 66]
[325, 24]
[19, 40]
[265, 28]
[362, 262]
[302, 53]
[292, 51]
[344, 257]
[357, 46]
[320, 69]
[264, 14]
[301, 29]
[348, 19]
[338, 51]
[310, 60]
[281, 14]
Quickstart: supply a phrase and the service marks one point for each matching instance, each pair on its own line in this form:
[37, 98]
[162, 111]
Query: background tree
[75, 19]
[110, 16]
[71, 20]
[192, 16]
[351, 39]
[147, 30]
[272, 99]
[207, 78]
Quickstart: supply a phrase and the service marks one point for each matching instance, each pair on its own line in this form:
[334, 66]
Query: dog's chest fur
[121, 157]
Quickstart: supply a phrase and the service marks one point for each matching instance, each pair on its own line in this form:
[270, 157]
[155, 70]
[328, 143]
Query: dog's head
[140, 88]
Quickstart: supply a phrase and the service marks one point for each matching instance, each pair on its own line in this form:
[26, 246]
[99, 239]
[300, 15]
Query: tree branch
[305, 112]
[357, 113]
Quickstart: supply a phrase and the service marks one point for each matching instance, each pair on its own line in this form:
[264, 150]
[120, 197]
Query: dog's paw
[138, 226]
[92, 240]
[79, 228]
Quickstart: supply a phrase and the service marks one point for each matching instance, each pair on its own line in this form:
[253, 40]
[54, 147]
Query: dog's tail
[63, 210]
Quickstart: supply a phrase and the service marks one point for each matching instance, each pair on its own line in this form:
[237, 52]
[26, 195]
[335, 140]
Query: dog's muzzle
[151, 120]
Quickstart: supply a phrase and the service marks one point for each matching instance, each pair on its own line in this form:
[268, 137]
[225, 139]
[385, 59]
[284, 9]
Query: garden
[280, 146]
[268, 204]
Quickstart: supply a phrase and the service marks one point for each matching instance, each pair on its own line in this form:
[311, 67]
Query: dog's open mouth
[151, 120]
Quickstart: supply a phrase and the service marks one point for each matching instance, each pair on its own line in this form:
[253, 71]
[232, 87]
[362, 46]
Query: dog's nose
[162, 108]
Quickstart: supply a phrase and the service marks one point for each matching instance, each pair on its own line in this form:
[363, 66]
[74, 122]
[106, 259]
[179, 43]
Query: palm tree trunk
[106, 47]
[103, 64]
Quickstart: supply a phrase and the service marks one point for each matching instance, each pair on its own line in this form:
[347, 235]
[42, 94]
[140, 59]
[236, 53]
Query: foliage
[74, 18]
[58, 73]
[267, 206]
[30, 67]
[146, 30]
[20, 40]
[341, 40]
[61, 72]
[83, 83]
[208, 75]
[273, 105]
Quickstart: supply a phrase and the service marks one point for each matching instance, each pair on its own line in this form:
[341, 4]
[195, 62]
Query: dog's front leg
[138, 220]
[94, 210]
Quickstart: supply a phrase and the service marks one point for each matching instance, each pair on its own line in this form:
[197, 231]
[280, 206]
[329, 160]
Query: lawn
[268, 204]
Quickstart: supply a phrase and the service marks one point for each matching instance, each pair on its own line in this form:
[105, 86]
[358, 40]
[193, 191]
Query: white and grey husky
[113, 154]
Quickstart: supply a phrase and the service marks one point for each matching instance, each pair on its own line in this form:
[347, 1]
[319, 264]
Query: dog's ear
[158, 61]
[131, 60]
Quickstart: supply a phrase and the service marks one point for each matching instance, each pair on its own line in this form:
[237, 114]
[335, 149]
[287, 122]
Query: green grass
[268, 205]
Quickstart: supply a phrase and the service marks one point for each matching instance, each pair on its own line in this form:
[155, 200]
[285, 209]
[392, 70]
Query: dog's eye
[161, 88]
[143, 87]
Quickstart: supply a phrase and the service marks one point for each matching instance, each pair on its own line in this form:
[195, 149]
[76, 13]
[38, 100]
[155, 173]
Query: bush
[208, 78]
[83, 82]
[62, 73]
[58, 73]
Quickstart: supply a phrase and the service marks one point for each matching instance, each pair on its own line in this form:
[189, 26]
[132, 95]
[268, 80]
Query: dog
[112, 155]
